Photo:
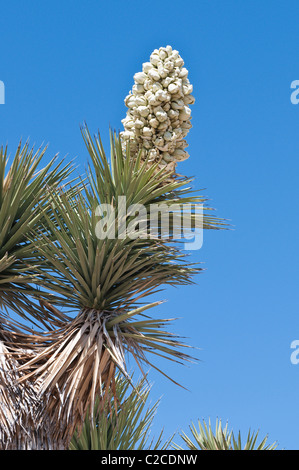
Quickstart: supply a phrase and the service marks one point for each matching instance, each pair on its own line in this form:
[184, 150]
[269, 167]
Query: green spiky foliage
[91, 288]
[122, 424]
[102, 281]
[25, 187]
[221, 439]
[24, 196]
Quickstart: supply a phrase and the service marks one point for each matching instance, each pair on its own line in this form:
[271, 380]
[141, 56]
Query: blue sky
[69, 61]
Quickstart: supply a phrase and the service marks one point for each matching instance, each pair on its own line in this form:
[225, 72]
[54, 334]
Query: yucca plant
[124, 424]
[103, 280]
[221, 439]
[73, 261]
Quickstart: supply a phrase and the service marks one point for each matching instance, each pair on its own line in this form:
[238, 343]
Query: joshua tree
[76, 263]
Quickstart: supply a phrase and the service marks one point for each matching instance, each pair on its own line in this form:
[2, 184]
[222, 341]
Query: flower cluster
[159, 117]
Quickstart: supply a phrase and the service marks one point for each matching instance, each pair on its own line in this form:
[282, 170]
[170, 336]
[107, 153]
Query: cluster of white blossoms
[159, 117]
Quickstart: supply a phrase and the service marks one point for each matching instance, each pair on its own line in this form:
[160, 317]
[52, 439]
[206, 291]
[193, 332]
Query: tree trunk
[29, 419]
[39, 439]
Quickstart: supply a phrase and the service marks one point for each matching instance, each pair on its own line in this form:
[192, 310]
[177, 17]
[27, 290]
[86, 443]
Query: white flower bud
[129, 124]
[139, 123]
[172, 145]
[140, 100]
[183, 73]
[153, 153]
[130, 113]
[127, 98]
[182, 144]
[146, 143]
[162, 53]
[131, 101]
[156, 87]
[158, 108]
[139, 77]
[173, 114]
[127, 135]
[154, 58]
[162, 72]
[161, 95]
[163, 126]
[168, 65]
[185, 113]
[187, 89]
[177, 96]
[154, 122]
[184, 132]
[177, 133]
[189, 99]
[159, 142]
[167, 157]
[180, 155]
[166, 81]
[143, 111]
[173, 88]
[137, 89]
[178, 104]
[167, 136]
[186, 125]
[161, 116]
[147, 132]
[176, 124]
[179, 62]
[153, 74]
[146, 67]
[153, 100]
[147, 84]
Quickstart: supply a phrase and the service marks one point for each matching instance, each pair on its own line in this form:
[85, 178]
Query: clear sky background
[65, 61]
